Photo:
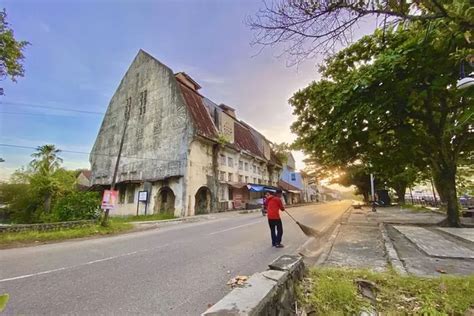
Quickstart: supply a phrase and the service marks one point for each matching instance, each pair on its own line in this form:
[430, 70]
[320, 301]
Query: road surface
[174, 270]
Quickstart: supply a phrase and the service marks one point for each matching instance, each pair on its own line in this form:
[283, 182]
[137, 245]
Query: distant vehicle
[467, 202]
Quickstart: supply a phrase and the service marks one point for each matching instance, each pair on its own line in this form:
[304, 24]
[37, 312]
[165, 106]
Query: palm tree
[46, 159]
[45, 163]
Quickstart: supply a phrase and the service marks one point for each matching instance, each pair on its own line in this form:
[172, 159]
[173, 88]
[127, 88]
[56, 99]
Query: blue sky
[80, 50]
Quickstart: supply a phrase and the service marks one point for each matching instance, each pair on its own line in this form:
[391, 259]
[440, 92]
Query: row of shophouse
[191, 155]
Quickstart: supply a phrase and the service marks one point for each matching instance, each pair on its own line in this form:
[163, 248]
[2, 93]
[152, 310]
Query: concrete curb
[271, 292]
[191, 219]
[392, 254]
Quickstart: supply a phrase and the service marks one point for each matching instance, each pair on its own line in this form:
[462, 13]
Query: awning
[294, 191]
[261, 188]
[237, 185]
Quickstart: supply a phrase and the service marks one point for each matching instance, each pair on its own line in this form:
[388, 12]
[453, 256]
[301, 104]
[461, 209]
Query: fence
[423, 201]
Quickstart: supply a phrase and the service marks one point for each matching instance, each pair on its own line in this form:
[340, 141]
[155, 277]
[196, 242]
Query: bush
[77, 206]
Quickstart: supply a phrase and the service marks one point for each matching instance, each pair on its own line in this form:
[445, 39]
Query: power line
[50, 107]
[87, 153]
[35, 114]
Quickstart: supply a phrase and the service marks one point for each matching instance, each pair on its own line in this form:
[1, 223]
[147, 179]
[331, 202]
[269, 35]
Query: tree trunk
[445, 181]
[439, 188]
[400, 191]
[47, 202]
[366, 196]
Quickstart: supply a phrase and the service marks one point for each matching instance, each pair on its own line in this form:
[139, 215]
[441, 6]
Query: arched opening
[203, 201]
[164, 201]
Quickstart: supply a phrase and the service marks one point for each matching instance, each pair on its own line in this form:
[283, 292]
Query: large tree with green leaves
[393, 91]
[11, 52]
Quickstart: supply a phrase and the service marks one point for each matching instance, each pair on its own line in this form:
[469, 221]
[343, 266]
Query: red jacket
[274, 205]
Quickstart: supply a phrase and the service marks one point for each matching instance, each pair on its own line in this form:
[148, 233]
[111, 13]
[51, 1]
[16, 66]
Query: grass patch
[332, 291]
[142, 218]
[419, 208]
[7, 239]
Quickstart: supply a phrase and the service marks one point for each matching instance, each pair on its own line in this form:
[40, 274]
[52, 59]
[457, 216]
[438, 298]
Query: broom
[308, 231]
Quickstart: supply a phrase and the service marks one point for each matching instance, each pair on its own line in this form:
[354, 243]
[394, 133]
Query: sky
[81, 49]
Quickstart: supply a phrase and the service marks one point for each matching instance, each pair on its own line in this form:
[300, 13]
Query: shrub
[77, 206]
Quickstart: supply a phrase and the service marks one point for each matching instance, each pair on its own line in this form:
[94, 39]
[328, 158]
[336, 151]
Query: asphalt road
[173, 270]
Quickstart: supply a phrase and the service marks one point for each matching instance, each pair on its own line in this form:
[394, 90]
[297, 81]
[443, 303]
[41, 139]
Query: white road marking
[80, 265]
[232, 228]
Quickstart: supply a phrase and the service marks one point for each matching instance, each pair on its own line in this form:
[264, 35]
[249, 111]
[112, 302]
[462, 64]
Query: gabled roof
[202, 112]
[202, 120]
[86, 173]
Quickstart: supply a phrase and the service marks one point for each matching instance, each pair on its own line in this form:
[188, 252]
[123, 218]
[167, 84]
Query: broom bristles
[309, 231]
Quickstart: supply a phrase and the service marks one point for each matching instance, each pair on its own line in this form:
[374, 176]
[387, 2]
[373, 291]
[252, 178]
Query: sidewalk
[409, 241]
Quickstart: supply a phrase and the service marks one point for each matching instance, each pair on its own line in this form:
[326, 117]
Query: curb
[392, 254]
[271, 292]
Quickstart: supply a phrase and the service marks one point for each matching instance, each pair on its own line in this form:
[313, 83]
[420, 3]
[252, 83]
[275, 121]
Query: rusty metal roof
[243, 137]
[202, 120]
[244, 140]
[286, 186]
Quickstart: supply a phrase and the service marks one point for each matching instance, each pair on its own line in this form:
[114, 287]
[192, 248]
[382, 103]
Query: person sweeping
[274, 206]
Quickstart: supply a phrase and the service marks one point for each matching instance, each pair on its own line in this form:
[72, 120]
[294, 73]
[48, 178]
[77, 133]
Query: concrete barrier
[45, 226]
[271, 292]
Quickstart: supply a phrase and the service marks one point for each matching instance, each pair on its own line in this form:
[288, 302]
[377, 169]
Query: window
[222, 193]
[230, 161]
[222, 176]
[241, 165]
[246, 166]
[128, 106]
[259, 181]
[259, 171]
[143, 97]
[131, 194]
[254, 180]
[293, 176]
[222, 160]
[121, 195]
[254, 168]
[229, 178]
[241, 178]
[246, 179]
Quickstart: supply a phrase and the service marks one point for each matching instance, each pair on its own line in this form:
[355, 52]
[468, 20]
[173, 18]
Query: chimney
[227, 109]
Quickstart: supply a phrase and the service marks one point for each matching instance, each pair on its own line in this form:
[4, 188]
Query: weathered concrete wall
[199, 173]
[158, 132]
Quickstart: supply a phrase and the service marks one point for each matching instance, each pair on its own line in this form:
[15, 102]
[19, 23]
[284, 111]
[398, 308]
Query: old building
[190, 154]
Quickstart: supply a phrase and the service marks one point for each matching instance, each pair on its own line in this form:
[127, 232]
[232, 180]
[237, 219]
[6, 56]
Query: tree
[11, 52]
[309, 27]
[46, 159]
[390, 91]
[45, 163]
[282, 151]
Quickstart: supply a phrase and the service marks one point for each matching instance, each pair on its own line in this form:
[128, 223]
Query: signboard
[109, 199]
[143, 196]
[237, 200]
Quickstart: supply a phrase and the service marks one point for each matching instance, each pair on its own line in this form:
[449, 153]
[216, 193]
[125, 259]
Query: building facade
[191, 155]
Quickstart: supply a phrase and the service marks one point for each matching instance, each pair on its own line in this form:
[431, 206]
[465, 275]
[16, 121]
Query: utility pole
[372, 189]
[117, 162]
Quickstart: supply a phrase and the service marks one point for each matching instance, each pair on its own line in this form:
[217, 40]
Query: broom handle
[291, 216]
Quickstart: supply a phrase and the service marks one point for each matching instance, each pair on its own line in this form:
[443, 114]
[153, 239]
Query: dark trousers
[276, 231]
